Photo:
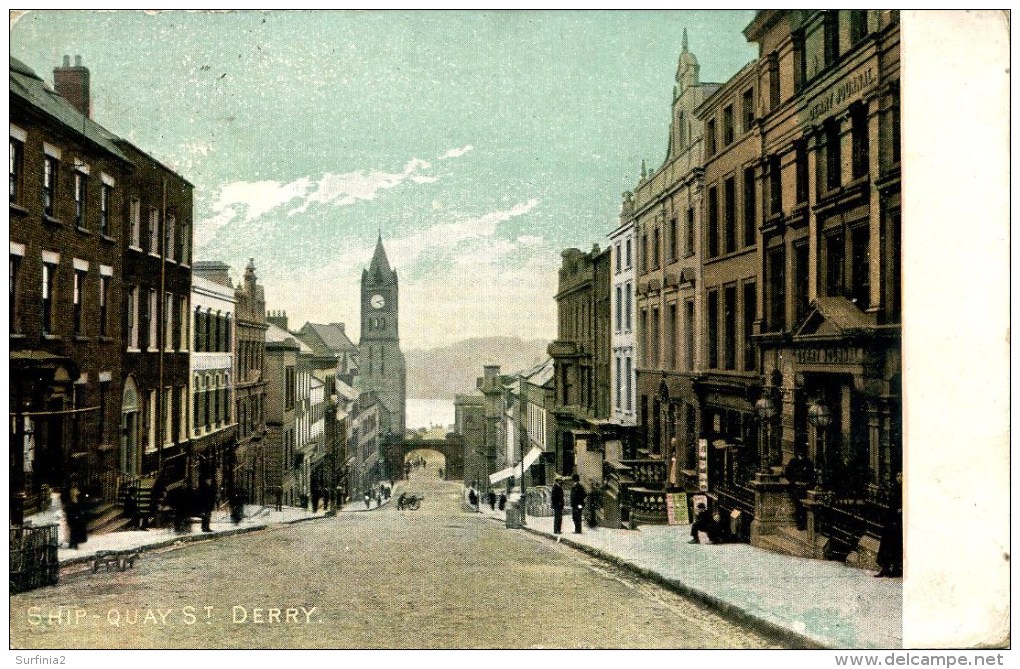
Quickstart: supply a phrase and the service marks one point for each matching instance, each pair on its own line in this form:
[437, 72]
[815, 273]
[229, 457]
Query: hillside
[441, 373]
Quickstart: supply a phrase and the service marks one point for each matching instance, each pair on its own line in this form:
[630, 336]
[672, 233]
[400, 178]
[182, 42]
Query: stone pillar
[773, 508]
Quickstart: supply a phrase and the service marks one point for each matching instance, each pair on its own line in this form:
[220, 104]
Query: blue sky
[480, 143]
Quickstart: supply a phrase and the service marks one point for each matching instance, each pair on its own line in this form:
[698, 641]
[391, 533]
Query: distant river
[426, 413]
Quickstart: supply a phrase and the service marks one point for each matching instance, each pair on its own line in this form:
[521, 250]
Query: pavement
[814, 603]
[817, 603]
[255, 518]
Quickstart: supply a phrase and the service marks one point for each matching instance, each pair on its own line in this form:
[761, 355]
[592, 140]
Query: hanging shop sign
[703, 464]
[676, 509]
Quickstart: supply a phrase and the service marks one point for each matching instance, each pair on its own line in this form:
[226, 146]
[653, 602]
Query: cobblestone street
[439, 577]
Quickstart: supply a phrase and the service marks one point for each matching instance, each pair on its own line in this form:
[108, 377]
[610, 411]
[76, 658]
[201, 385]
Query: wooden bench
[120, 560]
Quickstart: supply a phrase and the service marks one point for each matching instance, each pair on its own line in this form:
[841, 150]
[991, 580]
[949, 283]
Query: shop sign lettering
[837, 95]
[841, 355]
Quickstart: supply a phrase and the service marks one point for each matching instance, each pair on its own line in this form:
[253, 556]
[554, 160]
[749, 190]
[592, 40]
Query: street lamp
[766, 410]
[820, 417]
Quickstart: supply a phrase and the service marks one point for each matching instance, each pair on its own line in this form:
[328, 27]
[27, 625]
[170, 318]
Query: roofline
[124, 142]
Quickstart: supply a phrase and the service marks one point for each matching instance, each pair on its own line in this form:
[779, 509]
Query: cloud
[259, 197]
[456, 153]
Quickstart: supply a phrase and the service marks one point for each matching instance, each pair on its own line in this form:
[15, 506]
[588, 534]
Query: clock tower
[381, 365]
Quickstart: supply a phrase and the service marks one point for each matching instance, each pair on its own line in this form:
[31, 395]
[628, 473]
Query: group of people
[380, 492]
[578, 495]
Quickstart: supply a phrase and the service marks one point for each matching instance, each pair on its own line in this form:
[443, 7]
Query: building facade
[282, 350]
[623, 371]
[382, 367]
[469, 425]
[212, 425]
[729, 380]
[830, 266]
[67, 208]
[666, 209]
[252, 469]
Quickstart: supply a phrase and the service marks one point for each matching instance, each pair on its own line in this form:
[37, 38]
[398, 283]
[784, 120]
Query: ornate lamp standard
[766, 410]
[820, 417]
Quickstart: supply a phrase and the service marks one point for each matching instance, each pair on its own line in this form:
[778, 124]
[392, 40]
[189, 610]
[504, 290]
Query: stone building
[581, 355]
[282, 351]
[623, 371]
[251, 467]
[213, 428]
[370, 423]
[729, 380]
[667, 212]
[830, 315]
[382, 367]
[469, 425]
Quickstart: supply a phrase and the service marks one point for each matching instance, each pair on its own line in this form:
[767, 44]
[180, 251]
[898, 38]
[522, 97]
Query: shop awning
[517, 470]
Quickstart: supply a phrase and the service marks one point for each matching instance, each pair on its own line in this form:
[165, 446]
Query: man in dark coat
[890, 550]
[800, 474]
[207, 502]
[577, 495]
[702, 523]
[557, 505]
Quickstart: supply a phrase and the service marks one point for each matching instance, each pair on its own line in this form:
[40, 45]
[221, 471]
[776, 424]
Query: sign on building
[703, 464]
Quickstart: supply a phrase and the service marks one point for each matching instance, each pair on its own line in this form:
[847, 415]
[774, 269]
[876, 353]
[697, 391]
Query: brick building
[251, 466]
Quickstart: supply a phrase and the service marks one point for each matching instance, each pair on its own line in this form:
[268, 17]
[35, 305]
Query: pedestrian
[492, 499]
[702, 523]
[207, 501]
[557, 506]
[577, 496]
[440, 472]
[473, 498]
[237, 499]
[502, 501]
[890, 547]
[131, 505]
[800, 474]
[77, 526]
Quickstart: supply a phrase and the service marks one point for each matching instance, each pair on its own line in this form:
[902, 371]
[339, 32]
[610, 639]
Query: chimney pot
[77, 61]
[67, 61]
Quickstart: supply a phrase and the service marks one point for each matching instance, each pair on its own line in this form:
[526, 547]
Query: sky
[479, 144]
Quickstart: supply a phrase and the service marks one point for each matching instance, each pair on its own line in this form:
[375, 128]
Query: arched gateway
[452, 449]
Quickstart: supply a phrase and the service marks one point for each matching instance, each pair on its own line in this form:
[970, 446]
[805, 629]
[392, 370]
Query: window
[104, 388]
[644, 253]
[77, 305]
[627, 364]
[49, 184]
[654, 362]
[689, 233]
[775, 185]
[832, 154]
[182, 322]
[730, 327]
[713, 222]
[835, 260]
[628, 254]
[831, 37]
[775, 265]
[710, 138]
[207, 403]
[80, 200]
[619, 382]
[150, 445]
[171, 234]
[168, 321]
[689, 334]
[185, 242]
[799, 61]
[896, 134]
[801, 279]
[713, 329]
[747, 106]
[49, 272]
[858, 25]
[15, 271]
[727, 125]
[859, 140]
[629, 309]
[749, 205]
[136, 222]
[671, 338]
[730, 216]
[182, 413]
[153, 314]
[619, 308]
[860, 290]
[619, 258]
[645, 350]
[681, 130]
[153, 231]
[132, 317]
[750, 307]
[105, 203]
[656, 249]
[801, 160]
[673, 243]
[175, 307]
[773, 66]
[16, 159]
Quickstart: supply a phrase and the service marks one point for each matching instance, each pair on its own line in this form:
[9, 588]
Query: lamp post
[766, 410]
[820, 417]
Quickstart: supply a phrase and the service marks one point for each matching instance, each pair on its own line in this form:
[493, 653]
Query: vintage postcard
[508, 330]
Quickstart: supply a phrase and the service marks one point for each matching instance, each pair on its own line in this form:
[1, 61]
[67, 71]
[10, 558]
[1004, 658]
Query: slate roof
[30, 87]
[329, 336]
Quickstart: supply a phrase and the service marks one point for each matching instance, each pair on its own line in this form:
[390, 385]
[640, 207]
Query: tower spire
[380, 266]
[683, 44]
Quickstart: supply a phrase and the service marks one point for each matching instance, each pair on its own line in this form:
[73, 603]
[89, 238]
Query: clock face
[378, 301]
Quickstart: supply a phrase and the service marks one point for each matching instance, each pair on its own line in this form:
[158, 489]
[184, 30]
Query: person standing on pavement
[577, 495]
[206, 500]
[557, 506]
[492, 499]
[800, 474]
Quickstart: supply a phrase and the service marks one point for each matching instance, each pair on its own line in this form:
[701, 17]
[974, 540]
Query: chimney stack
[72, 83]
[279, 319]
